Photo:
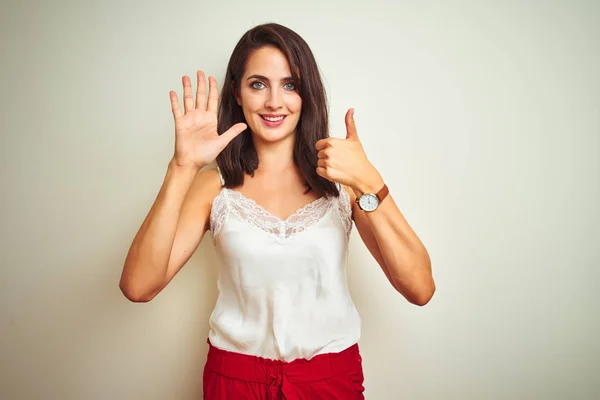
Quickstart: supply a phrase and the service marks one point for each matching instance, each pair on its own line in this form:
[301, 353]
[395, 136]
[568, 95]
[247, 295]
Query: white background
[482, 116]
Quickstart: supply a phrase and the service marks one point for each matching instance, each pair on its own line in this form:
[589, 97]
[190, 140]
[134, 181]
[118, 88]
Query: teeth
[274, 119]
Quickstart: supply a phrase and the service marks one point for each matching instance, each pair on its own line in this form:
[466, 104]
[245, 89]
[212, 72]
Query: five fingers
[188, 98]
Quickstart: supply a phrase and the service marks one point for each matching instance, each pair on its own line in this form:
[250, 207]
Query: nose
[274, 100]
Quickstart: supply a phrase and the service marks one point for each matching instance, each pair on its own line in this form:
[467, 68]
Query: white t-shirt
[282, 284]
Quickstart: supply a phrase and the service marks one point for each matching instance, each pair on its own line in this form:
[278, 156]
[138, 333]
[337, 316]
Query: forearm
[146, 264]
[407, 262]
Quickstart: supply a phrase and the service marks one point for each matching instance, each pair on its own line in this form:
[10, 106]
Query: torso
[282, 280]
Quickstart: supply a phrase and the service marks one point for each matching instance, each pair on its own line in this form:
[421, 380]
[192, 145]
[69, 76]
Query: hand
[197, 142]
[345, 161]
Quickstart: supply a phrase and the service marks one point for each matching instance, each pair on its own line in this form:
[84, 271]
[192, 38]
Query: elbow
[419, 291]
[424, 295]
[135, 292]
[426, 283]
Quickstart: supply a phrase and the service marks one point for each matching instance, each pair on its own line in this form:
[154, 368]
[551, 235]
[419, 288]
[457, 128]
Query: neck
[275, 156]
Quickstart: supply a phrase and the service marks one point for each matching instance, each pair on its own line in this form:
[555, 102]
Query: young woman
[279, 208]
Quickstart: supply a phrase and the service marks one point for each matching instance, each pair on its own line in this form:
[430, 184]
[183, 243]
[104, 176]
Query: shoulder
[206, 186]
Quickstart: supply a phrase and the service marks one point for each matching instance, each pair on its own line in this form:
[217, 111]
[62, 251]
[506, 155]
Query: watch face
[368, 202]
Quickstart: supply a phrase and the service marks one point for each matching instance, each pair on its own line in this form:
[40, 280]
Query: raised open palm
[197, 142]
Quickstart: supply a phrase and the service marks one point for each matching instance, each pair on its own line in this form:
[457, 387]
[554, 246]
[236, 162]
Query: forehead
[268, 61]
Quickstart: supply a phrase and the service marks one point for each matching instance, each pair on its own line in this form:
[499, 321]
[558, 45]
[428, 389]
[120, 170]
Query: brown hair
[240, 156]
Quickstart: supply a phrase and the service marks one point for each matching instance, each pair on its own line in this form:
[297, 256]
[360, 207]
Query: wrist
[175, 167]
[371, 184]
[179, 177]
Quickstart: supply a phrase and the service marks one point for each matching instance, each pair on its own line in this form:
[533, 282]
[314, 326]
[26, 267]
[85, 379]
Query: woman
[279, 207]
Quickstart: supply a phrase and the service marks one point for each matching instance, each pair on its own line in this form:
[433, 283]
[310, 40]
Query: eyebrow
[264, 78]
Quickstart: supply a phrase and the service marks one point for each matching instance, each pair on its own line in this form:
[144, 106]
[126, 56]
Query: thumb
[351, 132]
[232, 132]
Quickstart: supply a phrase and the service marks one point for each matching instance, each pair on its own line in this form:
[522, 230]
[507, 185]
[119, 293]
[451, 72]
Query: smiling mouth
[273, 119]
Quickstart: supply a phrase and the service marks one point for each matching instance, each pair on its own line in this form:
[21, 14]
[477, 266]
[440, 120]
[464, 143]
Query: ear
[235, 94]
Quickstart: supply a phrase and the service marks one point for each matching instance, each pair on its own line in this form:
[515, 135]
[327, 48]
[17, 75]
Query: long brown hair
[240, 156]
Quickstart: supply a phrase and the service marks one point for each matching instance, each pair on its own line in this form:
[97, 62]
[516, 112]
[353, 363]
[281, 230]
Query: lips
[272, 120]
[273, 117]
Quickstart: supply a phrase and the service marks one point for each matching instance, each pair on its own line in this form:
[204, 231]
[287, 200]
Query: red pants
[234, 376]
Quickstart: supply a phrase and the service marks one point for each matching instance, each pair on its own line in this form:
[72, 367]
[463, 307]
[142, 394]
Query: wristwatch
[370, 202]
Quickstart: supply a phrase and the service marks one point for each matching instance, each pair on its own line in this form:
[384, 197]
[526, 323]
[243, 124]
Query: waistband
[262, 370]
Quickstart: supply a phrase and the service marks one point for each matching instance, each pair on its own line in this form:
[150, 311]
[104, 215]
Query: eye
[258, 85]
[289, 86]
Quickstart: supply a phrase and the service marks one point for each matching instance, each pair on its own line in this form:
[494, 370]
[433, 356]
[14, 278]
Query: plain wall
[482, 116]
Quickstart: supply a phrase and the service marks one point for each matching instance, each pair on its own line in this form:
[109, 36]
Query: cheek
[250, 101]
[295, 104]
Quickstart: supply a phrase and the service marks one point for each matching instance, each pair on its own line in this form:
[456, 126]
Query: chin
[272, 137]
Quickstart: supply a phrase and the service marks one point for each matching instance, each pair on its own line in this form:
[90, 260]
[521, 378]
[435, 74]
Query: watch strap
[383, 192]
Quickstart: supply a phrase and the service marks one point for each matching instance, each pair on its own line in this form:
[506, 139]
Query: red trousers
[234, 376]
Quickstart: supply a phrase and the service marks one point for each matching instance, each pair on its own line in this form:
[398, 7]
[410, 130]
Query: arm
[395, 246]
[180, 215]
[390, 239]
[170, 233]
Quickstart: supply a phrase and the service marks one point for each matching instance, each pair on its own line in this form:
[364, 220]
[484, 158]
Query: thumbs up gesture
[345, 161]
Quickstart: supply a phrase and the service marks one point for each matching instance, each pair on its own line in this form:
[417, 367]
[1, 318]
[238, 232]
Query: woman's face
[268, 96]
